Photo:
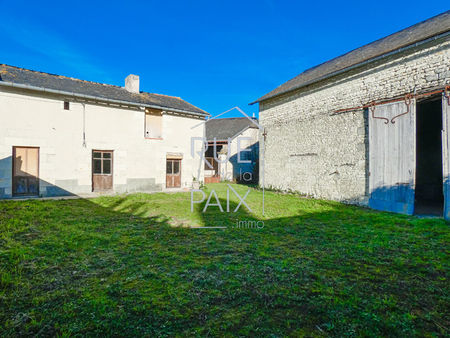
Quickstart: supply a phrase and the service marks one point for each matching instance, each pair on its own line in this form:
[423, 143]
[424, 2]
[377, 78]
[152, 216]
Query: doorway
[173, 173]
[429, 197]
[102, 170]
[25, 170]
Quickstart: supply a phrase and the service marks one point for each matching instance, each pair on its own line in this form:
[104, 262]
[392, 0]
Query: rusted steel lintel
[446, 92]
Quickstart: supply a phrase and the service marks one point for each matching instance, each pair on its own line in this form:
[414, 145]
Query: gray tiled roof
[222, 129]
[100, 91]
[437, 25]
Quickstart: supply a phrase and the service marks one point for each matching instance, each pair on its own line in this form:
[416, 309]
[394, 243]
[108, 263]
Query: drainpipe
[84, 124]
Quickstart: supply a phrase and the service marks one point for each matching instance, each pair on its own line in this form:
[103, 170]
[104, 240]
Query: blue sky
[214, 54]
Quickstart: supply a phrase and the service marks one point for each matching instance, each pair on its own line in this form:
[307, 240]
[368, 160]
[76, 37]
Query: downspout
[84, 124]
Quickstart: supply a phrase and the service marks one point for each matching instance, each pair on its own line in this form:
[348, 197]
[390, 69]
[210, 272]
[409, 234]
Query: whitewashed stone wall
[312, 151]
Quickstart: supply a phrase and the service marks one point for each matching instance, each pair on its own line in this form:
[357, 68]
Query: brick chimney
[132, 83]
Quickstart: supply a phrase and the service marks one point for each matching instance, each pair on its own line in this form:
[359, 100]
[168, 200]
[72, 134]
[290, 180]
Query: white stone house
[64, 136]
[366, 127]
[236, 157]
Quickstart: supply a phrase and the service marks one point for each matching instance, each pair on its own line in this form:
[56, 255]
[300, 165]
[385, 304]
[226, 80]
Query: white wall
[230, 169]
[27, 119]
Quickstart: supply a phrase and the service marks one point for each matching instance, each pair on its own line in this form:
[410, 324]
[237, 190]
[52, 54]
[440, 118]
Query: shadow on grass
[103, 267]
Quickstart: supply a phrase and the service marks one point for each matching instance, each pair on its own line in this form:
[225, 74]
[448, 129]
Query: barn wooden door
[173, 173]
[25, 178]
[445, 154]
[102, 170]
[392, 159]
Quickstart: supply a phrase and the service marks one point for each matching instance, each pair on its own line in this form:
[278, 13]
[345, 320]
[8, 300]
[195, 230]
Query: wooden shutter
[26, 162]
[25, 180]
[445, 154]
[153, 125]
[392, 157]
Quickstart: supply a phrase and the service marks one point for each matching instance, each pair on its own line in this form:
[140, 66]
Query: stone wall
[311, 149]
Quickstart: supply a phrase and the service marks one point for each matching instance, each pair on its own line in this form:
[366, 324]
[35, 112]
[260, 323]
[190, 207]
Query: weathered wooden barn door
[445, 153]
[392, 160]
[102, 170]
[25, 178]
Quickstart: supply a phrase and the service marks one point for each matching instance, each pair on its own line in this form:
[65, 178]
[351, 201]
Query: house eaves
[49, 83]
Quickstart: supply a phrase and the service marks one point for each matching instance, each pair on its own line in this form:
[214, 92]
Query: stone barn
[370, 127]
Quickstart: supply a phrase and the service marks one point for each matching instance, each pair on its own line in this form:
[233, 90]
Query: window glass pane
[106, 155]
[107, 166]
[168, 167]
[97, 166]
[176, 167]
[97, 154]
[209, 160]
[33, 186]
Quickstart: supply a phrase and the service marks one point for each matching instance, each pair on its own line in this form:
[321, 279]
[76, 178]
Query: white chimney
[132, 83]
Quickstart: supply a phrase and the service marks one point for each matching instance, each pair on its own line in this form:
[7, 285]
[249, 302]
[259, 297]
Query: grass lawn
[129, 265]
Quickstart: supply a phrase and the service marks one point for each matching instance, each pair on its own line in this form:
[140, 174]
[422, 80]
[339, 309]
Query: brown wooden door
[102, 170]
[173, 173]
[25, 178]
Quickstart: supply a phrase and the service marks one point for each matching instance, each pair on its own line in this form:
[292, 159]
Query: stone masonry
[312, 150]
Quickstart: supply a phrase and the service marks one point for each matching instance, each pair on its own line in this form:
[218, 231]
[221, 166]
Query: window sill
[153, 138]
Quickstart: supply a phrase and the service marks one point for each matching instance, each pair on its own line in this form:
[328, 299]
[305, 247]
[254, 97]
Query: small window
[66, 105]
[102, 162]
[173, 167]
[153, 125]
[245, 155]
[107, 166]
[176, 167]
[97, 166]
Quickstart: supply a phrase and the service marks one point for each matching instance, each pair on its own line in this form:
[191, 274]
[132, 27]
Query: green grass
[129, 265]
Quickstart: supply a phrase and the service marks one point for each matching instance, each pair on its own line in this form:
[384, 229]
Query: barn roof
[222, 129]
[75, 87]
[424, 30]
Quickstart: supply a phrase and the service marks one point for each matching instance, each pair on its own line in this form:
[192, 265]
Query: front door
[173, 173]
[25, 179]
[102, 170]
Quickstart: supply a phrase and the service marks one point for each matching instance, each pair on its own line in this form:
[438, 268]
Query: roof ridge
[61, 76]
[408, 36]
[87, 81]
[101, 90]
[175, 97]
[233, 117]
[372, 42]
